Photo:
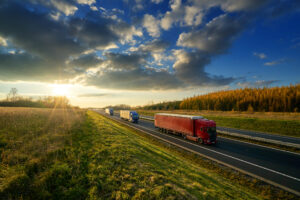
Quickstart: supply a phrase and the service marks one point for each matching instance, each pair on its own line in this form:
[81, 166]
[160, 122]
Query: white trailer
[131, 116]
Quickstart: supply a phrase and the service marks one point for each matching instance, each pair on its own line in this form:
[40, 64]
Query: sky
[138, 52]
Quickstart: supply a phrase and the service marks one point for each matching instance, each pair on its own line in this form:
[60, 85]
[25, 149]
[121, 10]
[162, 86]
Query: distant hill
[276, 99]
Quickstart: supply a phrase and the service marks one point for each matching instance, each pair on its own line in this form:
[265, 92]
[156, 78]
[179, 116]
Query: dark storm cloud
[137, 79]
[86, 61]
[125, 61]
[27, 67]
[92, 33]
[128, 71]
[49, 44]
[36, 32]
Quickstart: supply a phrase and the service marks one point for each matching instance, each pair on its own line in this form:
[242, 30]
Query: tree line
[276, 99]
[172, 105]
[15, 100]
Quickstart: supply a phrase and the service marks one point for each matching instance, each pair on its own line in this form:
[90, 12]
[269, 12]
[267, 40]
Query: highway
[281, 138]
[277, 167]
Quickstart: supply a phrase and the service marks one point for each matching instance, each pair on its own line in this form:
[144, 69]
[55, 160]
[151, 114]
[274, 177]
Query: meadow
[76, 154]
[270, 122]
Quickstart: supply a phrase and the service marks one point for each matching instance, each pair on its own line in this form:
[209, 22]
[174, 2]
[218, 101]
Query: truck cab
[206, 131]
[134, 117]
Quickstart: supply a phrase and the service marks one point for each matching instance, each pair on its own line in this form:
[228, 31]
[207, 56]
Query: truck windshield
[211, 129]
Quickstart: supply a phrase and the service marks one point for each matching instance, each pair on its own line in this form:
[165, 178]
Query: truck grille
[212, 136]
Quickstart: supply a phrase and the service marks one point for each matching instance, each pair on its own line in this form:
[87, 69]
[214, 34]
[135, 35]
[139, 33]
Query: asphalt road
[255, 134]
[262, 135]
[277, 167]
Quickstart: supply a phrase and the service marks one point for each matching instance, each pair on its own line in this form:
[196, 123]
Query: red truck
[194, 128]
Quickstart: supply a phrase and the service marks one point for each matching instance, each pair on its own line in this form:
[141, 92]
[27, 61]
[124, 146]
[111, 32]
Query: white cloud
[94, 8]
[157, 1]
[152, 25]
[64, 7]
[275, 62]
[172, 16]
[55, 16]
[3, 42]
[193, 16]
[88, 2]
[260, 55]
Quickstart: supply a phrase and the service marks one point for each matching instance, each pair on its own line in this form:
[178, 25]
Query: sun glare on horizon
[60, 90]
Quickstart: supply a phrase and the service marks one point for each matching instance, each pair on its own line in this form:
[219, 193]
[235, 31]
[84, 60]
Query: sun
[60, 90]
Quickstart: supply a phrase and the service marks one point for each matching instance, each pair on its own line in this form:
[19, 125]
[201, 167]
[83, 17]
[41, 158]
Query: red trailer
[194, 128]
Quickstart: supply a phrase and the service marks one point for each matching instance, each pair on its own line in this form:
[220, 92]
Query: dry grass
[28, 134]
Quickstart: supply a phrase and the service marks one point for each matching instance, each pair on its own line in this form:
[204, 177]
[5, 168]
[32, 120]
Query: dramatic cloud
[36, 33]
[189, 67]
[157, 49]
[48, 44]
[216, 36]
[25, 67]
[82, 63]
[128, 71]
[124, 61]
[93, 33]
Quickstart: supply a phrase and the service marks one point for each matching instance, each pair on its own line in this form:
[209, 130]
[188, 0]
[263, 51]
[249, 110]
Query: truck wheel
[184, 137]
[200, 141]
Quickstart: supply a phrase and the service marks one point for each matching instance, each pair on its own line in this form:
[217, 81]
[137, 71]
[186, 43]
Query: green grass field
[67, 154]
[287, 124]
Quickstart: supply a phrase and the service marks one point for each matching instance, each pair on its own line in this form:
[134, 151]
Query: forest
[276, 99]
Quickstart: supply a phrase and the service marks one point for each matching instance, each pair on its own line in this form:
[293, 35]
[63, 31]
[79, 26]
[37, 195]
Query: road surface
[280, 138]
[277, 167]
